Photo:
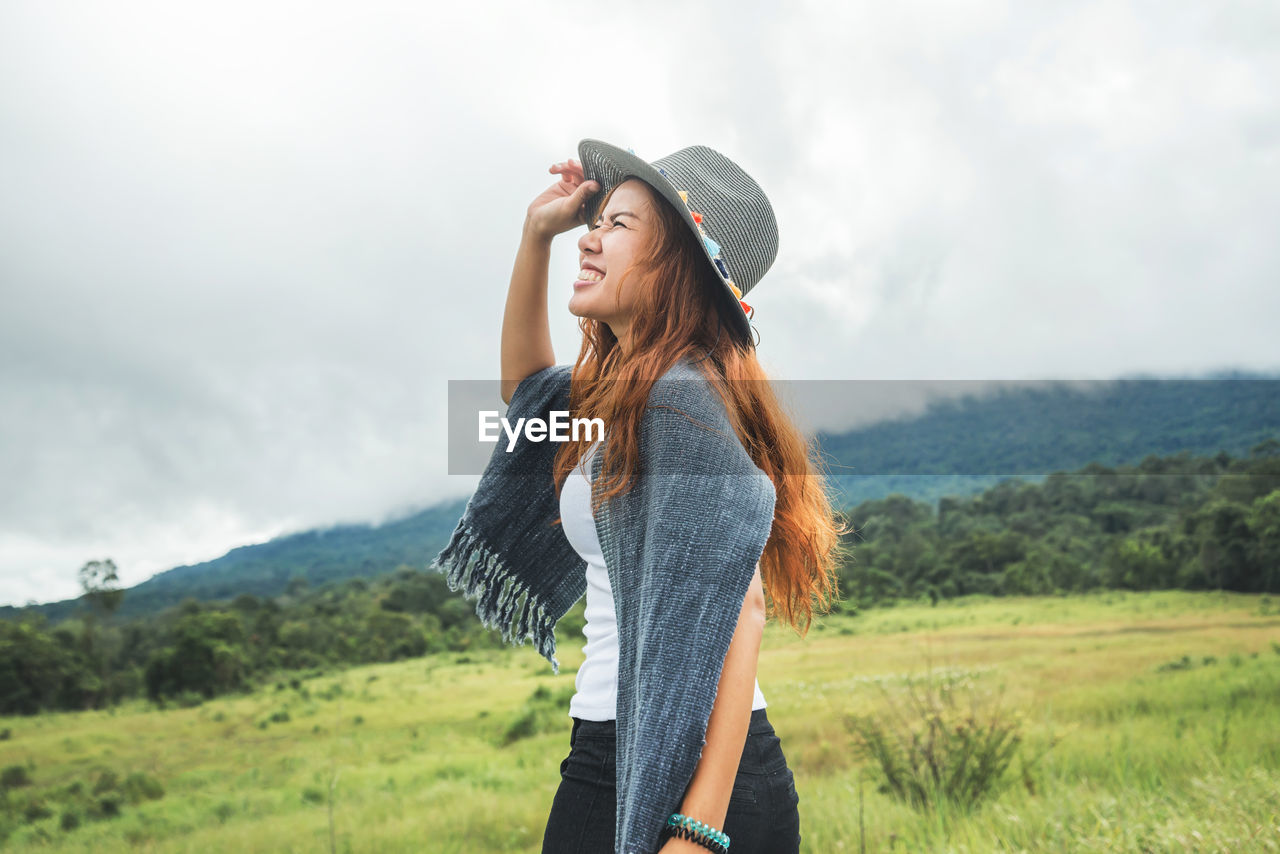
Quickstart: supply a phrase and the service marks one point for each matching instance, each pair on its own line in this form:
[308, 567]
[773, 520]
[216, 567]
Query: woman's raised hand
[559, 208]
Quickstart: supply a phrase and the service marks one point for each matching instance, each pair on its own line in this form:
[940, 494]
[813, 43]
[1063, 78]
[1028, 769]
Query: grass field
[1163, 710]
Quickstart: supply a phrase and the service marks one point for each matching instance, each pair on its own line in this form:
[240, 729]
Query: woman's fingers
[580, 198]
[560, 207]
[569, 167]
[566, 174]
[570, 175]
[566, 171]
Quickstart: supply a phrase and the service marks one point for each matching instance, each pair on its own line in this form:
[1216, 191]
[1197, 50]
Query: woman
[702, 498]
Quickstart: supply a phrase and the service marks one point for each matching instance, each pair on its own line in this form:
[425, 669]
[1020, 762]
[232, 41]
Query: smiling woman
[623, 232]
[700, 507]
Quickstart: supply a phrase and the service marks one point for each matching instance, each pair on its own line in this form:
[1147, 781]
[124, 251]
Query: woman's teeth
[589, 276]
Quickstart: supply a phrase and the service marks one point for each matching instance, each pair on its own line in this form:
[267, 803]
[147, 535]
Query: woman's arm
[526, 330]
[707, 798]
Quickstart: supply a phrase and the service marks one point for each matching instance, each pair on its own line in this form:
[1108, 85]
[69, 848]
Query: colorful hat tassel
[713, 248]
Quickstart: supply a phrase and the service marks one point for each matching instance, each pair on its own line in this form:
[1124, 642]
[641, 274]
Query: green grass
[1167, 707]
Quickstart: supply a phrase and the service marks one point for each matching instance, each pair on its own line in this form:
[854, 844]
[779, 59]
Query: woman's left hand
[559, 208]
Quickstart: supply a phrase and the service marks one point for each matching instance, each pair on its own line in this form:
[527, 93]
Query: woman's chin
[580, 307]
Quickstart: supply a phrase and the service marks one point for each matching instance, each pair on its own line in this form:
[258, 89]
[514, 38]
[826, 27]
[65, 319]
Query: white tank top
[596, 684]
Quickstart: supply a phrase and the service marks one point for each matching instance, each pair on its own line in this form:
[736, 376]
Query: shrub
[944, 739]
[542, 712]
[107, 781]
[333, 692]
[108, 806]
[189, 699]
[14, 776]
[140, 786]
[524, 726]
[35, 809]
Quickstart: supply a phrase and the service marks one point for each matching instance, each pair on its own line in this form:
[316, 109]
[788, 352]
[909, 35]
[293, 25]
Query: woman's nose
[590, 242]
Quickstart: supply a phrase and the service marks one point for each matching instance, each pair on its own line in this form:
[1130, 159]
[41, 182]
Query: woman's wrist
[531, 233]
[676, 845]
[696, 833]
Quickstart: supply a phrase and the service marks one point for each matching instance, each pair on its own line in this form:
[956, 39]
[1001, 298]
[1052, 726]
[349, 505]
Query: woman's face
[606, 252]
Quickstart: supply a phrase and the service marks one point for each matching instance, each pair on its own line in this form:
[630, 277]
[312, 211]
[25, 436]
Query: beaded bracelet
[683, 827]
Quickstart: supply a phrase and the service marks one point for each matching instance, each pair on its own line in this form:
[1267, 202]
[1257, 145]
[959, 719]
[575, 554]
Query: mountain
[955, 447]
[960, 447]
[319, 556]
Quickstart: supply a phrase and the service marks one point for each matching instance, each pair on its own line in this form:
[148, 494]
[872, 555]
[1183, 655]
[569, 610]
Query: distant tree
[1137, 563]
[246, 603]
[1265, 448]
[100, 581]
[37, 672]
[1114, 517]
[206, 655]
[390, 636]
[1264, 519]
[1227, 546]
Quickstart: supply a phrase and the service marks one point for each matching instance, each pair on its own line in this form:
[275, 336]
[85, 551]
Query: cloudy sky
[244, 246]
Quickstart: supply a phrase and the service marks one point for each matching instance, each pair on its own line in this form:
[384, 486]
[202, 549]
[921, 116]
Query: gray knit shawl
[680, 548]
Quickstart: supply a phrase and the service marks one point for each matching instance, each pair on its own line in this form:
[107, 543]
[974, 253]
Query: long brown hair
[675, 316]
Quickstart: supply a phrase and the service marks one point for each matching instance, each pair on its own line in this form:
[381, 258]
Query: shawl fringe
[471, 566]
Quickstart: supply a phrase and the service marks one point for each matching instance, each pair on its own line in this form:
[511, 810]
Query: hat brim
[609, 166]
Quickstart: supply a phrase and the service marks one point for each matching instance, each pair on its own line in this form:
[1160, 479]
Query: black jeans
[763, 817]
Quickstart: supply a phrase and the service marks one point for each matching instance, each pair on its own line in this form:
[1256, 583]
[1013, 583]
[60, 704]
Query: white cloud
[244, 247]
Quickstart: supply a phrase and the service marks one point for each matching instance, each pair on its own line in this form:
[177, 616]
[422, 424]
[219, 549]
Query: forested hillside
[964, 446]
[312, 558]
[1206, 523]
[955, 448]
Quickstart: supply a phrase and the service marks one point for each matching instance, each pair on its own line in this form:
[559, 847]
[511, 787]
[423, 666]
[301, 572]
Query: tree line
[1209, 523]
[1170, 522]
[198, 650]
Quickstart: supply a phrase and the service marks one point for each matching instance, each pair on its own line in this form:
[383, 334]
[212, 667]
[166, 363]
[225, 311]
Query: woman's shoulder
[687, 389]
[542, 386]
[687, 425]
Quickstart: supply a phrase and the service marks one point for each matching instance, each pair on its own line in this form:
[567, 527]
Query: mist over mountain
[954, 448]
